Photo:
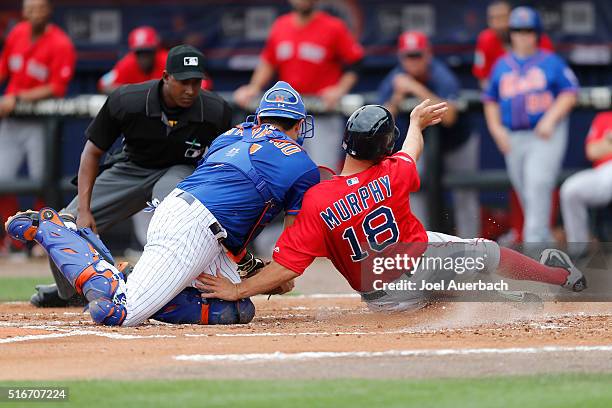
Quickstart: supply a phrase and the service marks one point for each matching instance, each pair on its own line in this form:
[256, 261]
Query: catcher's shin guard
[99, 281]
[188, 307]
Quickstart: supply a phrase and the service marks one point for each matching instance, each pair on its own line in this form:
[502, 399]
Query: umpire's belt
[215, 227]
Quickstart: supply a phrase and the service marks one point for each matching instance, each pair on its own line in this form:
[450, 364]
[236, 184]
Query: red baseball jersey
[490, 47]
[48, 60]
[353, 219]
[600, 129]
[127, 71]
[311, 57]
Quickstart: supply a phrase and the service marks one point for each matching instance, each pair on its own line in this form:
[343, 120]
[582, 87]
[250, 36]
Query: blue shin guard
[99, 281]
[188, 307]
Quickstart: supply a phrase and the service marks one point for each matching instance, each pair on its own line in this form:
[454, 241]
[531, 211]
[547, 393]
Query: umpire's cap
[370, 133]
[525, 18]
[185, 62]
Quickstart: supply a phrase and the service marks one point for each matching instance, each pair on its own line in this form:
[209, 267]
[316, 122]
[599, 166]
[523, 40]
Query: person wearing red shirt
[589, 188]
[317, 54]
[38, 62]
[361, 221]
[145, 61]
[494, 42]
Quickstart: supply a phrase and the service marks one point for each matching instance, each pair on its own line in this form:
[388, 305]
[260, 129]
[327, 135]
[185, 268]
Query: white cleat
[558, 259]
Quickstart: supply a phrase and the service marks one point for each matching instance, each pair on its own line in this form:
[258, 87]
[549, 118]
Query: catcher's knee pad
[224, 312]
[107, 312]
[188, 307]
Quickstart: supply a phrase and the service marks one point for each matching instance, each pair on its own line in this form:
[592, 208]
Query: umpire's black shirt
[155, 136]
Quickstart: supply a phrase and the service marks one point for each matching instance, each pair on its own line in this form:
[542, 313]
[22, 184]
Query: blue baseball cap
[525, 18]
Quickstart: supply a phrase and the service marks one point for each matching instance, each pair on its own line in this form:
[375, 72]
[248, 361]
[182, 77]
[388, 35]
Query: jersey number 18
[373, 233]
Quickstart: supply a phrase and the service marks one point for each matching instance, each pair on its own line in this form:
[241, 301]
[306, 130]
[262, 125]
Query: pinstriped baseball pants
[180, 246]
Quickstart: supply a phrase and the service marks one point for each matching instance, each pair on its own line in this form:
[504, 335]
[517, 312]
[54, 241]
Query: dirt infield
[312, 337]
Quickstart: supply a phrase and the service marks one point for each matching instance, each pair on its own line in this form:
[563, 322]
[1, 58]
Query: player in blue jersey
[249, 175]
[530, 95]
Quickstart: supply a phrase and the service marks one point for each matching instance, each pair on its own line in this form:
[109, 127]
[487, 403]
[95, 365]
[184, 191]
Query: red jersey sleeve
[348, 49]
[269, 52]
[6, 51]
[478, 69]
[301, 243]
[62, 68]
[488, 49]
[596, 131]
[546, 43]
[406, 170]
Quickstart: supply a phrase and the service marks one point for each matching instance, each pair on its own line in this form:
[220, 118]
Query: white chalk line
[316, 355]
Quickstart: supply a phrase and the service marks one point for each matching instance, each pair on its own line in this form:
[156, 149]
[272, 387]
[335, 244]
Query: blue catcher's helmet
[283, 101]
[525, 18]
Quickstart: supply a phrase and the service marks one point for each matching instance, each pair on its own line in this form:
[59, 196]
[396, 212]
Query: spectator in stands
[419, 75]
[145, 61]
[317, 54]
[38, 62]
[494, 41]
[589, 188]
[529, 97]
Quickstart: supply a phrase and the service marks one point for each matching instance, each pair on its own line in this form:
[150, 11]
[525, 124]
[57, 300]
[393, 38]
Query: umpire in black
[166, 126]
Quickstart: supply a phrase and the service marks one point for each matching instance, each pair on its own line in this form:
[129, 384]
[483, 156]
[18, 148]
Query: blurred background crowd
[517, 158]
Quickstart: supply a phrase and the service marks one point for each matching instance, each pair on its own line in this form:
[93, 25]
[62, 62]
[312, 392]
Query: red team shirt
[49, 60]
[127, 71]
[600, 129]
[489, 48]
[311, 58]
[352, 219]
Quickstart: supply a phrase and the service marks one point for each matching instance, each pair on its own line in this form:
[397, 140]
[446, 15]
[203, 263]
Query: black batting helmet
[370, 133]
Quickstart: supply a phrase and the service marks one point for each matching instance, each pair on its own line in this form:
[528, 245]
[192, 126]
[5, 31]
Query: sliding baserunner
[364, 215]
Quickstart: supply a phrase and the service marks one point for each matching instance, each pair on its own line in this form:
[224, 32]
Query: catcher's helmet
[370, 133]
[525, 18]
[283, 101]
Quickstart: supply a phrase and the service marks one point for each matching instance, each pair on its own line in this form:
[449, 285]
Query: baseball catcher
[250, 174]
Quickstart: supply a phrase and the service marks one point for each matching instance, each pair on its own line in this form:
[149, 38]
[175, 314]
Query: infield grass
[20, 288]
[589, 390]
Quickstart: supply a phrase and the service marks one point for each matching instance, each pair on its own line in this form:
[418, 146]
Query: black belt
[215, 227]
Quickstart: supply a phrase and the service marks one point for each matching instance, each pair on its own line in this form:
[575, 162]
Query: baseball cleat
[558, 259]
[48, 296]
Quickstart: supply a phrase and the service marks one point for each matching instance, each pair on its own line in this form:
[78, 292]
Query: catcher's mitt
[249, 265]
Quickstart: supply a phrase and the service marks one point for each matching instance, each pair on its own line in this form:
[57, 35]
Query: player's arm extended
[423, 115]
[270, 278]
